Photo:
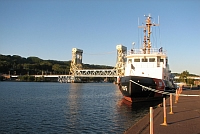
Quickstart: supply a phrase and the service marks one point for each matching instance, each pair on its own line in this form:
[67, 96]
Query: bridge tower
[121, 59]
[76, 63]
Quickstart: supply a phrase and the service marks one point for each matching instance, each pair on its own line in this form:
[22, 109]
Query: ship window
[136, 60]
[129, 61]
[161, 60]
[152, 60]
[144, 60]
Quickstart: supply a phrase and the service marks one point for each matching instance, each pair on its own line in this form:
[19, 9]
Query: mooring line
[161, 92]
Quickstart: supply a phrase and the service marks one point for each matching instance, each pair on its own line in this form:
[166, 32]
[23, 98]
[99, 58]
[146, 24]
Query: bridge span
[77, 71]
[78, 74]
[96, 73]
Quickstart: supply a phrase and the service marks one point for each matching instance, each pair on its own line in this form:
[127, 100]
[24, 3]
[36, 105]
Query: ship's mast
[144, 41]
[147, 29]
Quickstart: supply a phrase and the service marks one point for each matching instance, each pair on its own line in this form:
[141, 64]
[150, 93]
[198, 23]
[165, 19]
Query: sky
[49, 29]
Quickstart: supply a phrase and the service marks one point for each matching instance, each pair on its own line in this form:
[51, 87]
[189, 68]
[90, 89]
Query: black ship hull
[134, 92]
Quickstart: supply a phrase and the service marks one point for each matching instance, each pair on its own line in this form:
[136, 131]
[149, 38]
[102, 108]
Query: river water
[41, 107]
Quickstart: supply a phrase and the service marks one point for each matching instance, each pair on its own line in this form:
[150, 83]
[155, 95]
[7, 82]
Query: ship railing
[152, 51]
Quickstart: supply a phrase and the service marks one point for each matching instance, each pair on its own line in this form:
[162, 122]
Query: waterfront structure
[76, 63]
[121, 59]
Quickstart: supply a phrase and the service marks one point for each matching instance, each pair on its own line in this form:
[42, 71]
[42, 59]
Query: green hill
[17, 65]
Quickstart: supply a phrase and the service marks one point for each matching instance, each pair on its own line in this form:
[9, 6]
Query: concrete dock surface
[184, 120]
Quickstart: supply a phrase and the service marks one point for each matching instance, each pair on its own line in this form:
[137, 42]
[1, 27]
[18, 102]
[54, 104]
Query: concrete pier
[185, 120]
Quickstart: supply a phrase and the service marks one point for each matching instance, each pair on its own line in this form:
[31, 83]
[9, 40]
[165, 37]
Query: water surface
[39, 107]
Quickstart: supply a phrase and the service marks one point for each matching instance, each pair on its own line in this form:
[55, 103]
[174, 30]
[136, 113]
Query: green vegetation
[186, 77]
[17, 65]
[27, 78]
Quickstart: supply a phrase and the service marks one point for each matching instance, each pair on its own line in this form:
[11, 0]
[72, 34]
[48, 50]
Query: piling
[151, 120]
[164, 112]
[176, 100]
[171, 111]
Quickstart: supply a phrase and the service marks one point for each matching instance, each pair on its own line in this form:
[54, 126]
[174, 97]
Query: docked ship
[145, 67]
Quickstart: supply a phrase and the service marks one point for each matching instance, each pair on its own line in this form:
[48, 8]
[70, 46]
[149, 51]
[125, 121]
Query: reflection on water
[66, 108]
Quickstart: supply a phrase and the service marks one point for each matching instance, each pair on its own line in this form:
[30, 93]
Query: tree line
[186, 77]
[17, 65]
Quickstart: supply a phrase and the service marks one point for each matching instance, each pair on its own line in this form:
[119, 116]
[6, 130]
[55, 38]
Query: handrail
[152, 51]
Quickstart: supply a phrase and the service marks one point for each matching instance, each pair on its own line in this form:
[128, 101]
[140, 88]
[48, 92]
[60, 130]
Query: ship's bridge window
[145, 60]
[136, 60]
[152, 60]
[162, 60]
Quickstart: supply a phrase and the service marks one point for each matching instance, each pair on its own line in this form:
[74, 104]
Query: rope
[161, 92]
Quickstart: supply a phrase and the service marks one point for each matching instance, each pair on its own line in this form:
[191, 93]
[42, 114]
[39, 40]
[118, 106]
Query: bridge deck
[96, 73]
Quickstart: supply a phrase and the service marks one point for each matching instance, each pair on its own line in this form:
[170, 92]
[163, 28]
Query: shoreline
[143, 123]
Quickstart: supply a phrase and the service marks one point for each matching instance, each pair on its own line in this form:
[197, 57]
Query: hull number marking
[144, 89]
[124, 88]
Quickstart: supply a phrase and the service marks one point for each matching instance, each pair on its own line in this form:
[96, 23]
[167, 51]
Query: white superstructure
[154, 64]
[148, 61]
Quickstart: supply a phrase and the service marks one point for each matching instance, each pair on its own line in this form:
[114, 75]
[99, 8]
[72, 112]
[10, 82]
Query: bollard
[171, 112]
[176, 100]
[151, 120]
[164, 111]
[181, 89]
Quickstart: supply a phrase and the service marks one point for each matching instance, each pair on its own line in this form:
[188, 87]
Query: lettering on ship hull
[124, 88]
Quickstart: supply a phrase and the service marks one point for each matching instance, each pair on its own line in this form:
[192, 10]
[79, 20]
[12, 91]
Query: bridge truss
[96, 73]
[77, 71]
[78, 74]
